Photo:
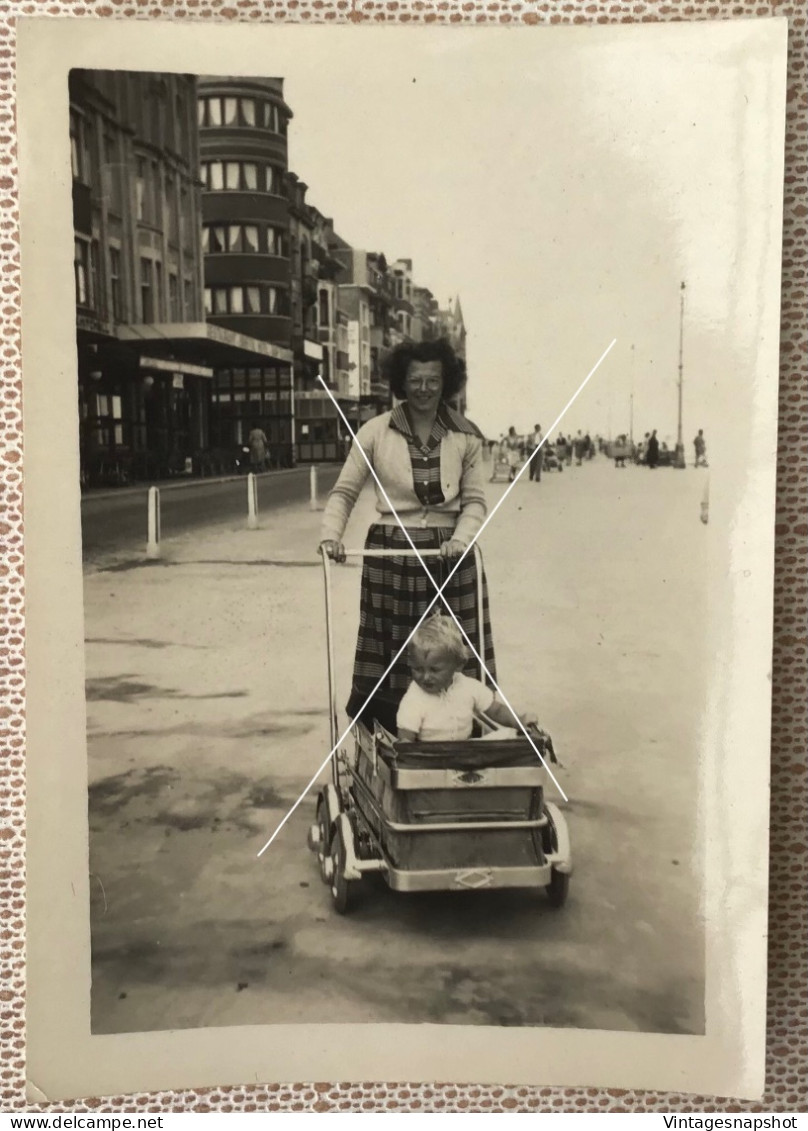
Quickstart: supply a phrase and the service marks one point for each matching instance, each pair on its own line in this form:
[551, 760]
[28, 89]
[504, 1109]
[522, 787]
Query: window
[188, 296]
[232, 175]
[95, 275]
[230, 112]
[244, 300]
[115, 283]
[271, 117]
[171, 209]
[250, 174]
[81, 270]
[277, 301]
[217, 238]
[112, 175]
[242, 237]
[76, 146]
[215, 178]
[217, 112]
[324, 318]
[277, 242]
[273, 180]
[146, 296]
[158, 291]
[140, 189]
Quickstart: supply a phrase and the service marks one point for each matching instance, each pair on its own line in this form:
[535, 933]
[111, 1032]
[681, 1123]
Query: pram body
[468, 815]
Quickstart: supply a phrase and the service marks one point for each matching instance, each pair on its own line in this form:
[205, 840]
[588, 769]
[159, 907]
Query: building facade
[137, 261]
[146, 355]
[247, 245]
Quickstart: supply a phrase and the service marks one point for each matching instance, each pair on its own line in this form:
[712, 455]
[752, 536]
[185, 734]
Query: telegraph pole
[680, 447]
[631, 403]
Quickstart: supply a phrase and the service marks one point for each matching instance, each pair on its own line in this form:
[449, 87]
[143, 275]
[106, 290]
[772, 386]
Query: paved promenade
[206, 687]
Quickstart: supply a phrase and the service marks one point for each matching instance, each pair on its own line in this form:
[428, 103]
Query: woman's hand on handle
[335, 550]
[452, 549]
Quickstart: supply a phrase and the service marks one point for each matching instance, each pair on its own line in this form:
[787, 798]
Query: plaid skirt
[395, 593]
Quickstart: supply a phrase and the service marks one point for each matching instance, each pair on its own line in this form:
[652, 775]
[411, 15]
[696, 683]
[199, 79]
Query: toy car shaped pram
[437, 816]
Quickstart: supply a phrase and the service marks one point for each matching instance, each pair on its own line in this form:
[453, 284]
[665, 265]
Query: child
[440, 702]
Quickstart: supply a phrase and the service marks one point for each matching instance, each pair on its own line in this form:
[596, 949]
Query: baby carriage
[466, 815]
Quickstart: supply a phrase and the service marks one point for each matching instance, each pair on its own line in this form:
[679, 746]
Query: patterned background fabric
[787, 1059]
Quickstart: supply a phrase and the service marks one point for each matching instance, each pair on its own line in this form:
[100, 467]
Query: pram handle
[392, 553]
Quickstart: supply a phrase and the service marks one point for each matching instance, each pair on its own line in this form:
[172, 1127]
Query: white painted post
[153, 544]
[252, 502]
[313, 487]
[705, 503]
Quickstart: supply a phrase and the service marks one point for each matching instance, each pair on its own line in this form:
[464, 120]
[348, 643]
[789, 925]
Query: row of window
[86, 264]
[249, 299]
[245, 238]
[156, 202]
[249, 112]
[241, 176]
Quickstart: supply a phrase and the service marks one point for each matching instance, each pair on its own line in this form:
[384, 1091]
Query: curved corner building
[243, 124]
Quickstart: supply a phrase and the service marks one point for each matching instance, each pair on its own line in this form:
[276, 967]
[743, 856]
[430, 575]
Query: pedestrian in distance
[652, 458]
[580, 449]
[700, 446]
[536, 453]
[259, 448]
[514, 449]
[429, 460]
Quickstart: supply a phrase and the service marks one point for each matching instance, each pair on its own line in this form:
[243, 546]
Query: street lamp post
[631, 405]
[680, 447]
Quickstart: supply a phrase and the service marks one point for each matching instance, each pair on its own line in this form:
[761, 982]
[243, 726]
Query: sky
[562, 182]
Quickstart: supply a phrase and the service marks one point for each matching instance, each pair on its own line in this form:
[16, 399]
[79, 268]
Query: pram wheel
[558, 888]
[322, 825]
[343, 890]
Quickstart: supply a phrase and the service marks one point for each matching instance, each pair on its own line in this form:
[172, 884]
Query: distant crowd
[513, 448]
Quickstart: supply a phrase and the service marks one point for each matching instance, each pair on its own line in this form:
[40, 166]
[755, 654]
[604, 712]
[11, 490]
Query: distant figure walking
[652, 458]
[259, 448]
[620, 451]
[513, 450]
[580, 449]
[536, 456]
[700, 445]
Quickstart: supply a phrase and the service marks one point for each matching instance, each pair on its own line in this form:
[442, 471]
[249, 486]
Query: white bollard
[153, 544]
[705, 504]
[313, 487]
[252, 502]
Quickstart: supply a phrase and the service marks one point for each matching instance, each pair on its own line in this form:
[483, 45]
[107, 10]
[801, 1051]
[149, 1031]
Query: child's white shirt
[447, 716]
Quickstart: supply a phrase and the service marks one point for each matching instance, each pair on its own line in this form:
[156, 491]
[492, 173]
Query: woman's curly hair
[398, 362]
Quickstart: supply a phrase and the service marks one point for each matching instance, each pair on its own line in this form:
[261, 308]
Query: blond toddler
[440, 703]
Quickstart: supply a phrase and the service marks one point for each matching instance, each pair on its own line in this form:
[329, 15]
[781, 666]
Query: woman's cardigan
[462, 480]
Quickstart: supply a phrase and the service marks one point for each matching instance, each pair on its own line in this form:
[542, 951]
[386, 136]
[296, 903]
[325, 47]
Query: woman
[514, 449]
[429, 460]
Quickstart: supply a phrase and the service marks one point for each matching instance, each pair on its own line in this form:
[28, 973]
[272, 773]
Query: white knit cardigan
[462, 481]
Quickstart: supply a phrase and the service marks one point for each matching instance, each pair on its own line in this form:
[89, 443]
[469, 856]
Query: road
[207, 717]
[115, 522]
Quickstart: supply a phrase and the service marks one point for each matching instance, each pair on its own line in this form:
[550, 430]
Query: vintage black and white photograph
[413, 393]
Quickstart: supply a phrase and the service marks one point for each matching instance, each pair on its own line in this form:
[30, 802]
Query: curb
[187, 484]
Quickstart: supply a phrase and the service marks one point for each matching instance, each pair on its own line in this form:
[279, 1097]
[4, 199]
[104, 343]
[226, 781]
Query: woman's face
[424, 385]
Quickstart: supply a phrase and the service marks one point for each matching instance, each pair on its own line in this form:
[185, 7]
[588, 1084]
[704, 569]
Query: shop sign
[177, 381]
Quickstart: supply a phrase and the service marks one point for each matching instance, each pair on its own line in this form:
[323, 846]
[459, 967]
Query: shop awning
[202, 344]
